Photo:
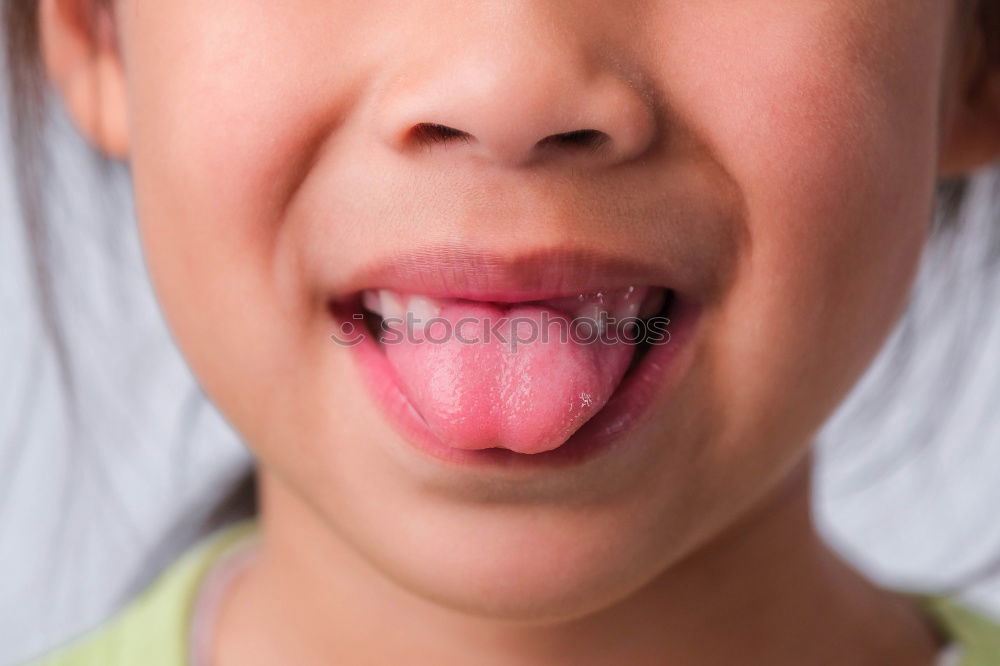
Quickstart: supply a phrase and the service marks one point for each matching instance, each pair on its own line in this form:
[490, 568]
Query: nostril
[426, 135]
[431, 133]
[585, 138]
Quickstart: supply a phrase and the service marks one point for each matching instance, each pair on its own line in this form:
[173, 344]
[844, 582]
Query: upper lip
[463, 272]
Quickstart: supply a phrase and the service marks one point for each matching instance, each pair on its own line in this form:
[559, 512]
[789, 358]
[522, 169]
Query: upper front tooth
[423, 309]
[395, 308]
[391, 305]
[372, 301]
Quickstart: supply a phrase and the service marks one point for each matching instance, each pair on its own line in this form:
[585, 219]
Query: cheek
[833, 144]
[222, 130]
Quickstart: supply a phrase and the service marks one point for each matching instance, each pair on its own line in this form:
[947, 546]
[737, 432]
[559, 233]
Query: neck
[767, 591]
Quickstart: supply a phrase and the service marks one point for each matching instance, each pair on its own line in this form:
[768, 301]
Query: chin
[534, 566]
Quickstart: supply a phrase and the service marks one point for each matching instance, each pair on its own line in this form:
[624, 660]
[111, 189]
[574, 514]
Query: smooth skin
[796, 145]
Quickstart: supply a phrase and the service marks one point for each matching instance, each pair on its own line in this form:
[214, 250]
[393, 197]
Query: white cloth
[92, 508]
[908, 467]
[211, 593]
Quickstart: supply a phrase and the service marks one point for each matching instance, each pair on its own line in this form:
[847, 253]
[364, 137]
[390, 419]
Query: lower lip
[656, 376]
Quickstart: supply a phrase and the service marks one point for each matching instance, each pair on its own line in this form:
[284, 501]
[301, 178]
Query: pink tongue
[524, 395]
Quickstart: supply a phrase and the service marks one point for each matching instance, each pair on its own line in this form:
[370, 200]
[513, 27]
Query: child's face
[772, 161]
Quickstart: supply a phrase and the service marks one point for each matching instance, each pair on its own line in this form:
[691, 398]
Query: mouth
[517, 375]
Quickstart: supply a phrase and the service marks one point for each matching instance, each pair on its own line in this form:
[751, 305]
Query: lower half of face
[756, 177]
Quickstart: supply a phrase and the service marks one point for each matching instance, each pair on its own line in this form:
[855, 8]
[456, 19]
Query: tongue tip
[519, 449]
[530, 436]
[527, 449]
[474, 441]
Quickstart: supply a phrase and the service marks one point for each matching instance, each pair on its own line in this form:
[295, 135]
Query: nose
[517, 97]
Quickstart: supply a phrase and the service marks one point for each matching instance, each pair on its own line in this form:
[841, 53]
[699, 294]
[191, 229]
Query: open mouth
[635, 316]
[526, 382]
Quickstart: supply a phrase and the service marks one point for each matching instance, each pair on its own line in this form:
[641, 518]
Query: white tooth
[423, 309]
[391, 306]
[626, 309]
[372, 301]
[628, 303]
[592, 311]
[587, 310]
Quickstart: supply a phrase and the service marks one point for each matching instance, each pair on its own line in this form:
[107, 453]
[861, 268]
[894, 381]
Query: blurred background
[111, 463]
